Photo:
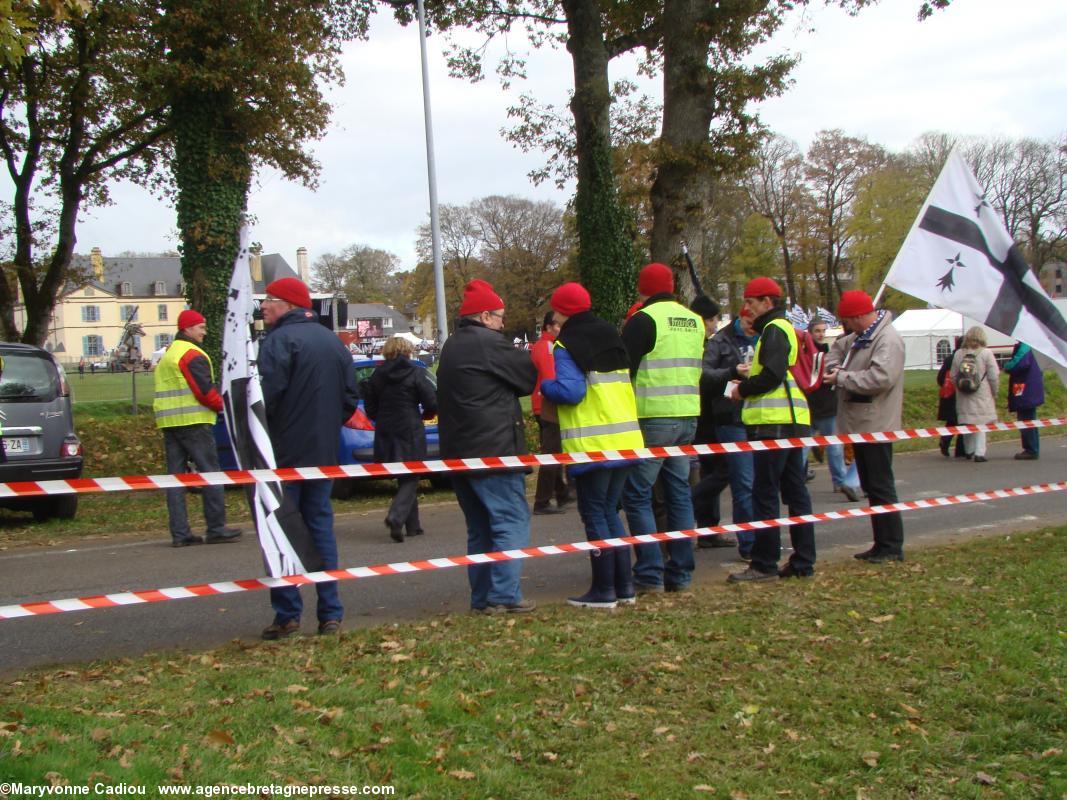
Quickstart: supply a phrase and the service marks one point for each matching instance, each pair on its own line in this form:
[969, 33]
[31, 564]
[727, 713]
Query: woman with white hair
[977, 378]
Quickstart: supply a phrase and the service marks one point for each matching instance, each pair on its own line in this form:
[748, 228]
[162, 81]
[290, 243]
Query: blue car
[356, 441]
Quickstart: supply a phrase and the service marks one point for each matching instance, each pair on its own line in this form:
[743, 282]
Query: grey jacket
[871, 384]
[978, 407]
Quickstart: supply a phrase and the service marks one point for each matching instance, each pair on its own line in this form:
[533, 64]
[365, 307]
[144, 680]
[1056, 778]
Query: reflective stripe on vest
[175, 404]
[785, 404]
[605, 419]
[667, 383]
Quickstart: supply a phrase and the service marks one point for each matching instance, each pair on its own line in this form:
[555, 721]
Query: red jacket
[541, 353]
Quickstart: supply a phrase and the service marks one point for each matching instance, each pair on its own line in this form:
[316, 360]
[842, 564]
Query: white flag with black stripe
[958, 255]
[284, 539]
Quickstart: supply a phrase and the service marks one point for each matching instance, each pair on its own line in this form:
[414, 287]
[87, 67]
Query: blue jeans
[498, 518]
[312, 498]
[1031, 437]
[599, 493]
[649, 569]
[840, 475]
[741, 474]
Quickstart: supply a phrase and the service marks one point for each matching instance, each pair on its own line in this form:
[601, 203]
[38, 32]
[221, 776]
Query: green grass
[939, 678]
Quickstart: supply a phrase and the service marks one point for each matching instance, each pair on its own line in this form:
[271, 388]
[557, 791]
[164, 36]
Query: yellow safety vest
[606, 419]
[175, 403]
[667, 383]
[785, 404]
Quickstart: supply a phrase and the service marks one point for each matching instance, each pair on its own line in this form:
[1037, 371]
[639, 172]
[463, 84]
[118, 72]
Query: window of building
[944, 350]
[126, 313]
[93, 345]
[387, 323]
[163, 340]
[126, 289]
[161, 309]
[90, 313]
[161, 288]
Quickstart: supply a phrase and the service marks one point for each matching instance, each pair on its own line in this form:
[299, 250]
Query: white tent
[929, 335]
[415, 340]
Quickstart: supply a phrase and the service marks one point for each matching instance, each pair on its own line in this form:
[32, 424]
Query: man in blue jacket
[309, 391]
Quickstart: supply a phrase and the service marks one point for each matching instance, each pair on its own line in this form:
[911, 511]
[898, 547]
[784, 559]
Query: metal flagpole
[431, 171]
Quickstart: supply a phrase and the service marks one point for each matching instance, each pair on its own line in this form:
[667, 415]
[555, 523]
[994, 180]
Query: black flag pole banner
[697, 290]
[283, 538]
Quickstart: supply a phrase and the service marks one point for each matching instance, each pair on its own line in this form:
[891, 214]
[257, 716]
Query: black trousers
[781, 471]
[550, 480]
[875, 465]
[404, 510]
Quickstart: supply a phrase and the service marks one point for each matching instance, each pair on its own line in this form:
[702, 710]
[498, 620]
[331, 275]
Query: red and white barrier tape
[242, 477]
[402, 567]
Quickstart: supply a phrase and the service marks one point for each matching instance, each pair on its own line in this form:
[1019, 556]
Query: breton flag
[958, 255]
[284, 539]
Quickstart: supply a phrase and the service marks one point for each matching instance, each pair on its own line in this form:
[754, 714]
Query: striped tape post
[46, 607]
[387, 470]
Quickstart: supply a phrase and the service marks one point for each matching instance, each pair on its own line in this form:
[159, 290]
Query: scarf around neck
[864, 339]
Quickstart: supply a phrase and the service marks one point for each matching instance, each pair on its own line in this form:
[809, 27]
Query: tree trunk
[681, 186]
[605, 245]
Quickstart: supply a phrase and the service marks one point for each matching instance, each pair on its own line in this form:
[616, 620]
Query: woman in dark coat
[1026, 391]
[946, 404]
[398, 396]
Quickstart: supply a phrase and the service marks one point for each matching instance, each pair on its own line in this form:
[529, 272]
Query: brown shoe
[281, 630]
[330, 627]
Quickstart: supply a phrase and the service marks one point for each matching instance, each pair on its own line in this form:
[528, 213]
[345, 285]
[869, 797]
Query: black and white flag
[958, 255]
[284, 539]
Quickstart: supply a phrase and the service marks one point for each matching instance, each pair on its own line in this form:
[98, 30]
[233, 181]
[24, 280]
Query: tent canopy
[929, 336]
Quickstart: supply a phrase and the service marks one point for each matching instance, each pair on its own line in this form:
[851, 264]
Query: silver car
[37, 429]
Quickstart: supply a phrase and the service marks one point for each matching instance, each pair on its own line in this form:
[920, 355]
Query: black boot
[625, 591]
[602, 593]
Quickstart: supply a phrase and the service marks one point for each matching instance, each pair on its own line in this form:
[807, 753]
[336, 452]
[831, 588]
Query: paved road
[108, 566]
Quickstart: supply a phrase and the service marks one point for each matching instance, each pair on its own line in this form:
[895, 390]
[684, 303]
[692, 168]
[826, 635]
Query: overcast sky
[982, 67]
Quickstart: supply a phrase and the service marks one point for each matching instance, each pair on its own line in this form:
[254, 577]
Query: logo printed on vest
[681, 322]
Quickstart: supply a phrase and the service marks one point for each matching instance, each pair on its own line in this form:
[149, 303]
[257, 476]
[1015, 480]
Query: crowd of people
[667, 376]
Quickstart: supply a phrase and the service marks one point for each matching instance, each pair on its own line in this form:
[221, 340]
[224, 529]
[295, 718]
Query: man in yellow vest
[774, 408]
[187, 404]
[665, 343]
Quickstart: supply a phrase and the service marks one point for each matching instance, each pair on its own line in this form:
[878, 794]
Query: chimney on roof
[96, 259]
[302, 268]
[255, 265]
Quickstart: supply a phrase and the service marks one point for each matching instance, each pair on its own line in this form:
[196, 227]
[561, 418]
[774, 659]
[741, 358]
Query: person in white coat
[980, 406]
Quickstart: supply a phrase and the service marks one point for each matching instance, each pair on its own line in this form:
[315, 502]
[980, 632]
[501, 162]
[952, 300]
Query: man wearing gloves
[187, 403]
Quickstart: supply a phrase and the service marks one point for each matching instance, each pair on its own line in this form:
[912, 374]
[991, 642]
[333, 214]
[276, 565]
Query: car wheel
[42, 509]
[65, 507]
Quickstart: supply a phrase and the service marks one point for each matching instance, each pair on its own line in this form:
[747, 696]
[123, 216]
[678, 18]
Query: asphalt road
[132, 563]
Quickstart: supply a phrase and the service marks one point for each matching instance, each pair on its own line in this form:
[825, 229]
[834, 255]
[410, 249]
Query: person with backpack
[1026, 391]
[946, 403]
[976, 377]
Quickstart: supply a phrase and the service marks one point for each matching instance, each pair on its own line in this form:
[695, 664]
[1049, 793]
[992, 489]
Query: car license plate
[16, 445]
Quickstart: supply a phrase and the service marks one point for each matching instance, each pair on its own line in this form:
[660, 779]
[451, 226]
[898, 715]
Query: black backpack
[968, 380]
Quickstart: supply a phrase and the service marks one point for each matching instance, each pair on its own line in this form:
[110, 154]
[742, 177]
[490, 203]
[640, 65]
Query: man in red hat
[309, 391]
[867, 367]
[479, 382]
[774, 407]
[665, 344]
[187, 403]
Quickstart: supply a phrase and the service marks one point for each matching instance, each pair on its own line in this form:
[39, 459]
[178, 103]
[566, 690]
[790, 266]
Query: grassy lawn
[939, 678]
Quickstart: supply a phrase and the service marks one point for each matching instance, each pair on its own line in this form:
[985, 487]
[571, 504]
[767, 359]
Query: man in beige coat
[867, 366]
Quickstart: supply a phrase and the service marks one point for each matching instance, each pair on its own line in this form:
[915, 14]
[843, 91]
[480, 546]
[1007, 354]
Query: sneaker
[789, 571]
[524, 606]
[980, 459]
[330, 627]
[187, 540]
[676, 588]
[1025, 455]
[648, 588]
[281, 630]
[716, 540]
[752, 574]
[882, 558]
[851, 493]
[225, 535]
[865, 554]
[588, 600]
[630, 600]
[548, 510]
[810, 476]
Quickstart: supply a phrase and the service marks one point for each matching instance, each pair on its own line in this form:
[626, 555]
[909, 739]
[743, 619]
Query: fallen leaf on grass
[984, 778]
[703, 787]
[219, 737]
[550, 757]
[296, 688]
[885, 618]
[871, 757]
[462, 774]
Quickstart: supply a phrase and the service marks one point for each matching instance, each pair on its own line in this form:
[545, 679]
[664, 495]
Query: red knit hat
[763, 287]
[291, 290]
[655, 278]
[570, 299]
[854, 304]
[478, 296]
[189, 318]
